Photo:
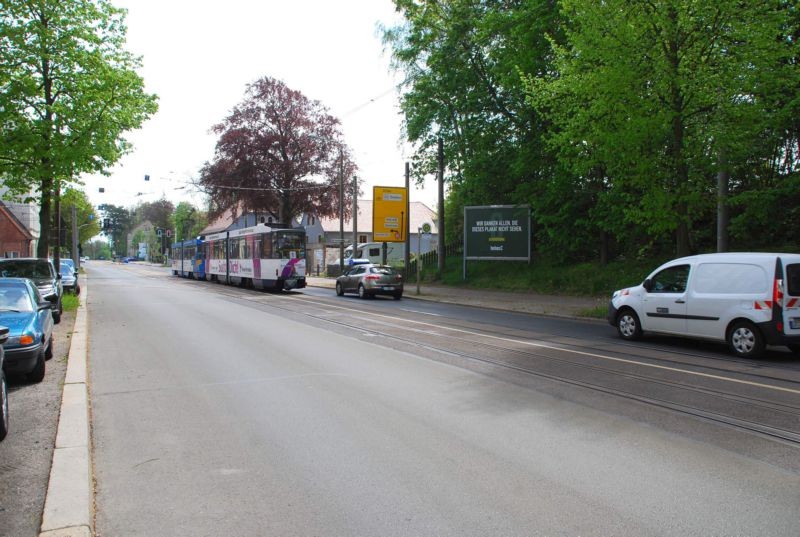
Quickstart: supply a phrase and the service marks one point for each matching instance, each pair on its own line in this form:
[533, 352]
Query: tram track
[783, 434]
[790, 412]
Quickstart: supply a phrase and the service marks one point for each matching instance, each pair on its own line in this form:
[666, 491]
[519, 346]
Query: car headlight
[621, 292]
[47, 290]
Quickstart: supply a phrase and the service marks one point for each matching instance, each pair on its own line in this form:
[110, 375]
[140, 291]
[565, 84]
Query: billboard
[501, 232]
[389, 214]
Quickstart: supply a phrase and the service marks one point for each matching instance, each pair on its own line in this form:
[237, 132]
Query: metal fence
[431, 259]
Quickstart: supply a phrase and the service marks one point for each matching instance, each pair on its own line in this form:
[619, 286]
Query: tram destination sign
[497, 232]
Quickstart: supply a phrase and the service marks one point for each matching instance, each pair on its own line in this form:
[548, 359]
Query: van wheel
[628, 326]
[745, 340]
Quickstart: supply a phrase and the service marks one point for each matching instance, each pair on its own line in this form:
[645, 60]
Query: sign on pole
[497, 232]
[389, 214]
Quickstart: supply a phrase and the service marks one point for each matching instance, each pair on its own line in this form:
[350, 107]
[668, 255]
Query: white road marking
[422, 312]
[573, 351]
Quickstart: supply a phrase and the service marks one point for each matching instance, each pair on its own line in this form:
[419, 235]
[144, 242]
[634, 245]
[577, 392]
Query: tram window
[266, 248]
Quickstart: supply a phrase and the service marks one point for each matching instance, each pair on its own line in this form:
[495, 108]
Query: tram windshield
[289, 244]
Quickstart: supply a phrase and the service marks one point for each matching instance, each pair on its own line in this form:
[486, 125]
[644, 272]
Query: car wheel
[56, 317]
[48, 352]
[3, 406]
[794, 348]
[77, 290]
[745, 340]
[398, 296]
[339, 289]
[37, 375]
[362, 293]
[628, 326]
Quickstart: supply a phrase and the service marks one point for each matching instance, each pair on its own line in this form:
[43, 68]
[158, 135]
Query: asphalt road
[220, 411]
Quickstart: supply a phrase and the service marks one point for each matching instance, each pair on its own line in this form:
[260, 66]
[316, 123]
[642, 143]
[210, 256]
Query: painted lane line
[422, 312]
[581, 353]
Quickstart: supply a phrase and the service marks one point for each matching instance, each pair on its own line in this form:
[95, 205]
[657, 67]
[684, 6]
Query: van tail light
[777, 292]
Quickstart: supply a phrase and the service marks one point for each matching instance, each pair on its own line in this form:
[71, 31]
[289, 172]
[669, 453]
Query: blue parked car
[30, 323]
[3, 387]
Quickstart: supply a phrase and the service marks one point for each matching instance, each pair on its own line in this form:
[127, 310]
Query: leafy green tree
[87, 221]
[649, 100]
[157, 212]
[69, 92]
[98, 249]
[461, 62]
[118, 223]
[188, 221]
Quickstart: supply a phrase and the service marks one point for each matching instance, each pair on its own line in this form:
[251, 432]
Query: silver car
[369, 280]
[69, 279]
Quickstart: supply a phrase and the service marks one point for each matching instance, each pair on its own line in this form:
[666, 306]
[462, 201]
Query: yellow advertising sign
[389, 214]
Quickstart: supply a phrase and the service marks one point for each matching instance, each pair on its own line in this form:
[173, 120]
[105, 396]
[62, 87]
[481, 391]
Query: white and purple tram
[260, 257]
[188, 260]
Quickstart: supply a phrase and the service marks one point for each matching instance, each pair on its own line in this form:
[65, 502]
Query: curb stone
[69, 499]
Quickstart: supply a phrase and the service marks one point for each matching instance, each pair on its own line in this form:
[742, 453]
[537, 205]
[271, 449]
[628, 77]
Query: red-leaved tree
[279, 152]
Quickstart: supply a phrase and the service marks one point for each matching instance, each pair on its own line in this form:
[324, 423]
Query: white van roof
[739, 256]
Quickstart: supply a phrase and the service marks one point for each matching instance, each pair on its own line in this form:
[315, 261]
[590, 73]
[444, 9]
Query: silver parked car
[369, 280]
[69, 278]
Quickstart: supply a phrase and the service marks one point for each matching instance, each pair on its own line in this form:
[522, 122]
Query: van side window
[671, 280]
[729, 279]
[793, 279]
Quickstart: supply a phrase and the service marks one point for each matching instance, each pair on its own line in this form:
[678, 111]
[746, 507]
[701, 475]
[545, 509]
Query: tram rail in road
[765, 405]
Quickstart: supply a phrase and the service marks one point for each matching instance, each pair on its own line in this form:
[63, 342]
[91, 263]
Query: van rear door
[791, 296]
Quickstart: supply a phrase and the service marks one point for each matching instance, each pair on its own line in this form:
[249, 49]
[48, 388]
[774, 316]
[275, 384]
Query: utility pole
[341, 213]
[355, 214]
[75, 258]
[407, 255]
[57, 252]
[440, 223]
[723, 178]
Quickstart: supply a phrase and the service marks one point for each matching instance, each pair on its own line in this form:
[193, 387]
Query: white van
[748, 300]
[373, 253]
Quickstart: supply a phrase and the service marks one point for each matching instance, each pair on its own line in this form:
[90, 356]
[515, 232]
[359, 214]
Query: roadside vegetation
[70, 302]
[543, 276]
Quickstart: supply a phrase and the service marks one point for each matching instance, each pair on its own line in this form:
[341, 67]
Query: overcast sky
[199, 55]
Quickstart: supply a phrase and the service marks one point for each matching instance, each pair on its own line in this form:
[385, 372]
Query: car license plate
[388, 288]
[794, 323]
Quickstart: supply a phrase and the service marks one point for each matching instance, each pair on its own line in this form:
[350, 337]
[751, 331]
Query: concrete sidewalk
[519, 301]
[68, 509]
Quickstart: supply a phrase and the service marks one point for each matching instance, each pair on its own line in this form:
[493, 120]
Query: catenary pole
[440, 209]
